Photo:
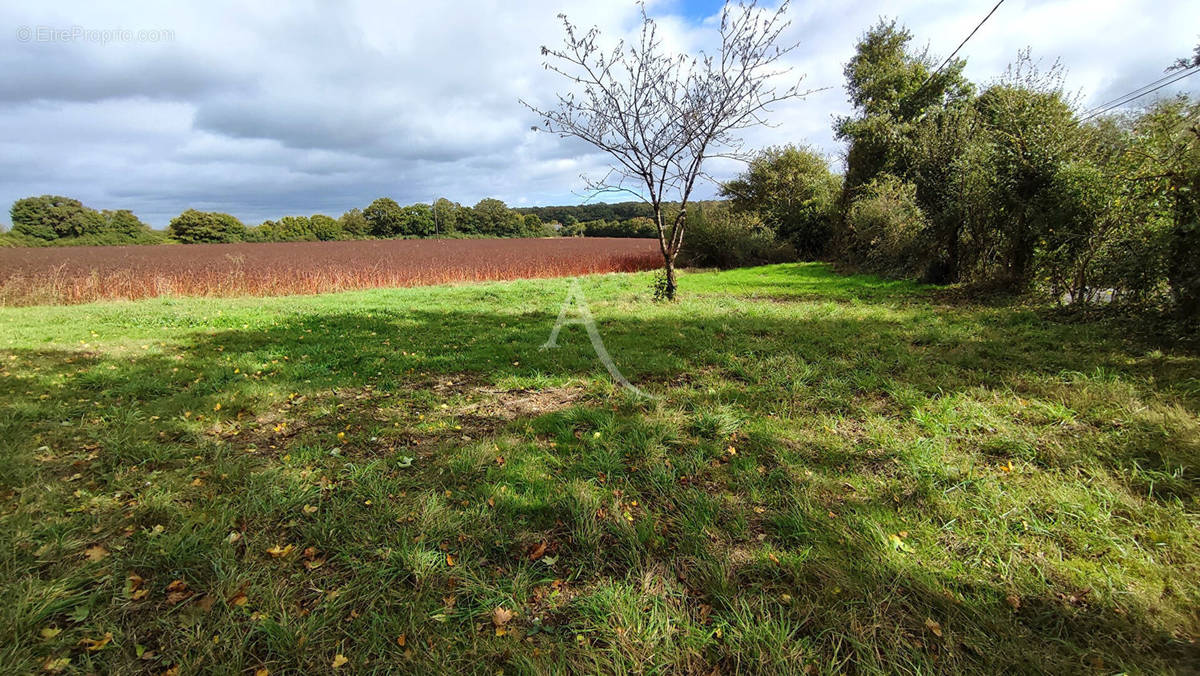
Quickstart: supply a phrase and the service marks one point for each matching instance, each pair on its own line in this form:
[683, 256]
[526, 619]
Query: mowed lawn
[839, 475]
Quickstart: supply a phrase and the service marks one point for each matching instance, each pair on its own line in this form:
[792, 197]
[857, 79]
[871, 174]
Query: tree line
[1009, 185]
[57, 220]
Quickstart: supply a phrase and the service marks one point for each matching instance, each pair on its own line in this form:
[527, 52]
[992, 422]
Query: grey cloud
[266, 110]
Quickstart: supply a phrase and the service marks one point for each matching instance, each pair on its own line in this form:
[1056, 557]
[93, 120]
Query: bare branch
[659, 116]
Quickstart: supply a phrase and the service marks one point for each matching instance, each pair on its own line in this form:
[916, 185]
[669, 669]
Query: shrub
[724, 239]
[194, 227]
[884, 227]
[51, 217]
[793, 191]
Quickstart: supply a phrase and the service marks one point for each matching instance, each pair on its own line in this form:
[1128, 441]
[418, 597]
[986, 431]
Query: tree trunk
[668, 291]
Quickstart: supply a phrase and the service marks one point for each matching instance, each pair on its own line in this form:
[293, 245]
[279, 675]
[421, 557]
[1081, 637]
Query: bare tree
[660, 115]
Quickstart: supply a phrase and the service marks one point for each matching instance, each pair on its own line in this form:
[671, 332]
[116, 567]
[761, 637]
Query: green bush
[195, 227]
[794, 193]
[885, 227]
[721, 238]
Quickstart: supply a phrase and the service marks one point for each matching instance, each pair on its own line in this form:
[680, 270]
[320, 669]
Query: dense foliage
[793, 191]
[53, 219]
[1010, 185]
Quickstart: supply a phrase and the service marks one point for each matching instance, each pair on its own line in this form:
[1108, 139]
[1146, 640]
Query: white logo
[575, 296]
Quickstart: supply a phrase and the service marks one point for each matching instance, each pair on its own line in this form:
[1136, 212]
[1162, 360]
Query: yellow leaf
[279, 552]
[50, 632]
[263, 672]
[95, 553]
[449, 560]
[56, 664]
[401, 640]
[933, 626]
[309, 509]
[217, 407]
[96, 644]
[339, 660]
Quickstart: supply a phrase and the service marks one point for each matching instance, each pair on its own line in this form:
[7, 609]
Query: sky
[267, 109]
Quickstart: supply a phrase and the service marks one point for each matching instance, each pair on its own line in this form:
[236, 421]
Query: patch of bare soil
[513, 404]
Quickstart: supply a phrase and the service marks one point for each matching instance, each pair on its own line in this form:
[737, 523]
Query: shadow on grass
[838, 584]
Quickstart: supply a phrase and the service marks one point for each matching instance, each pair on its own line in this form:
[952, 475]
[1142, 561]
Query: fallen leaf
[93, 645]
[537, 552]
[313, 564]
[309, 509]
[339, 660]
[48, 633]
[95, 553]
[449, 560]
[56, 664]
[501, 616]
[898, 543]
[934, 627]
[1014, 601]
[401, 640]
[263, 672]
[279, 552]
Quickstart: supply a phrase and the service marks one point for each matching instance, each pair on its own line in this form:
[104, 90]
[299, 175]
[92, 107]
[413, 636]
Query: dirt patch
[513, 404]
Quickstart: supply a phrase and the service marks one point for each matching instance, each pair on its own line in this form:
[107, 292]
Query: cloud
[267, 109]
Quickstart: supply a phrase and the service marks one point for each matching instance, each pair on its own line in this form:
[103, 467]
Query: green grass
[840, 474]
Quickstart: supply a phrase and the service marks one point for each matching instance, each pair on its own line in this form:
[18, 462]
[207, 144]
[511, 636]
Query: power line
[960, 46]
[1137, 94]
[1168, 76]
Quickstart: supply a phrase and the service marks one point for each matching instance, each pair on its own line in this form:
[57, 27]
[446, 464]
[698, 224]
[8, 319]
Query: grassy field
[840, 474]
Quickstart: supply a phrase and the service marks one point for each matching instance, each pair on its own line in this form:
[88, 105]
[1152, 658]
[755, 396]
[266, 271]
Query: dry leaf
[96, 644]
[239, 599]
[56, 664]
[279, 552]
[178, 591]
[95, 553]
[449, 560]
[1014, 601]
[314, 564]
[339, 660]
[48, 633]
[934, 627]
[501, 616]
[263, 672]
[309, 509]
[537, 552]
[401, 640]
